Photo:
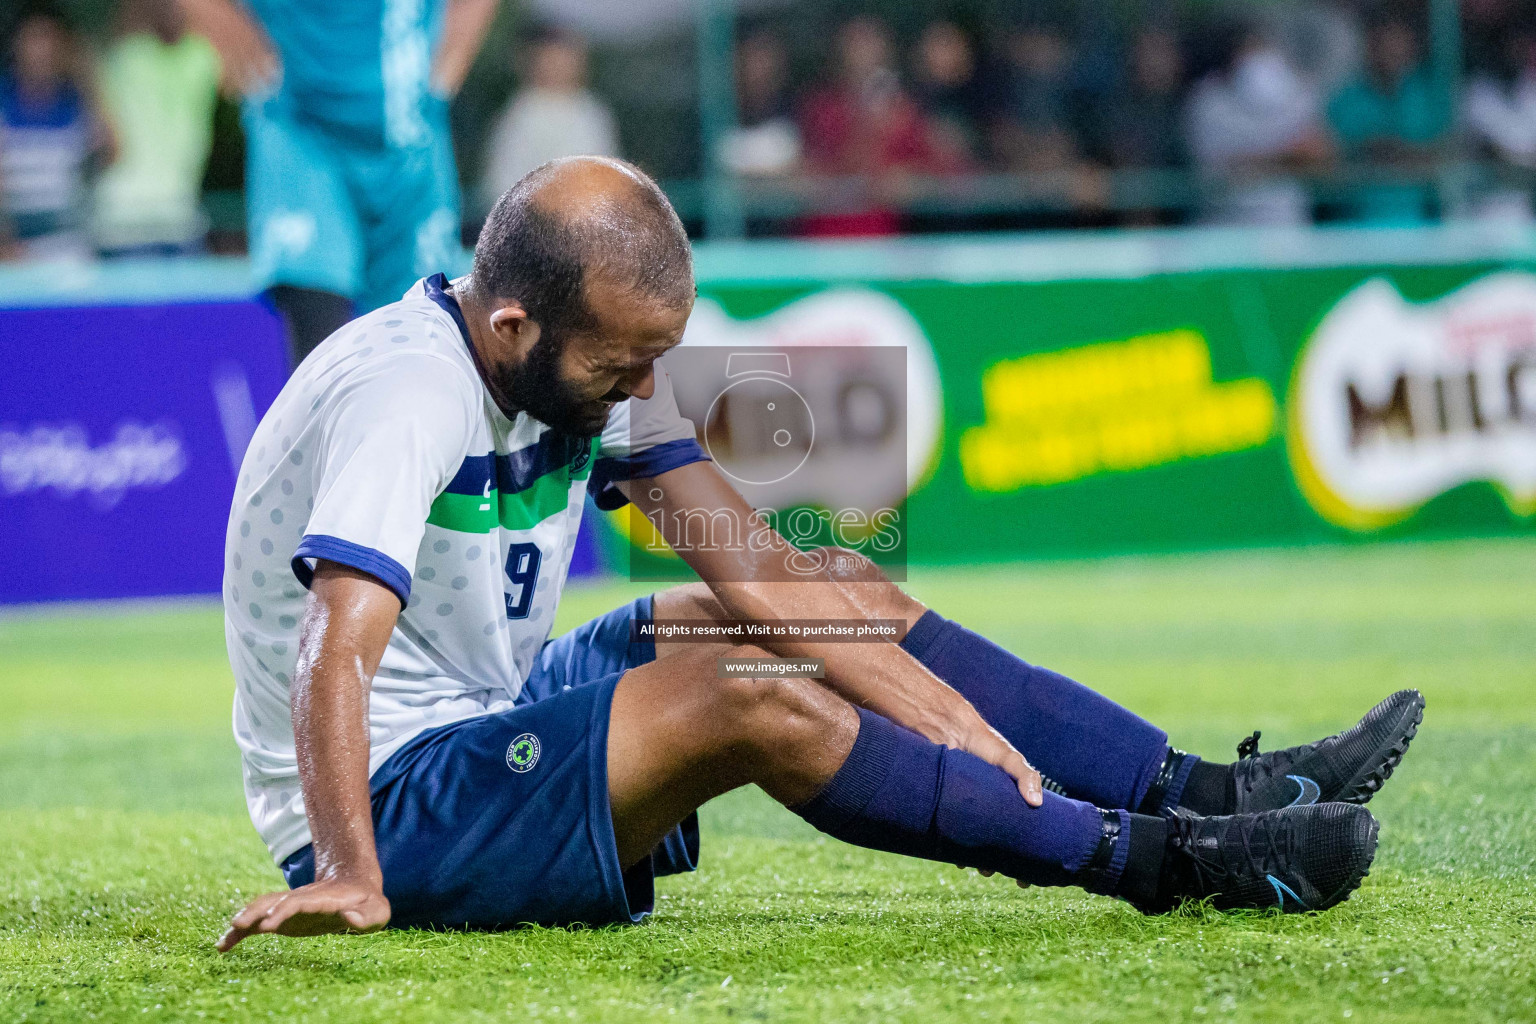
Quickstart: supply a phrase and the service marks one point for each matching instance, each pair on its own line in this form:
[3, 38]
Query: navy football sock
[1095, 749]
[900, 793]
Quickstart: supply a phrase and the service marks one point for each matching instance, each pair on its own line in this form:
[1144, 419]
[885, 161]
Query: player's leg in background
[1093, 748]
[409, 203]
[305, 239]
[309, 316]
[680, 735]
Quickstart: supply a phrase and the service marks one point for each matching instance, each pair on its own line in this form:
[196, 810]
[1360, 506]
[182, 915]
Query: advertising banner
[1061, 396]
[121, 429]
[1192, 409]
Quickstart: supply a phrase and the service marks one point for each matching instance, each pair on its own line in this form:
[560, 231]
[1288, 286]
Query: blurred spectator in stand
[865, 124]
[159, 86]
[49, 135]
[1500, 112]
[1393, 117]
[1486, 27]
[766, 140]
[1142, 124]
[553, 115]
[1252, 122]
[949, 89]
[1037, 127]
[1035, 131]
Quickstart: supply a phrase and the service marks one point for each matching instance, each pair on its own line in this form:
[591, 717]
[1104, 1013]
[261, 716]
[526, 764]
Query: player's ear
[513, 326]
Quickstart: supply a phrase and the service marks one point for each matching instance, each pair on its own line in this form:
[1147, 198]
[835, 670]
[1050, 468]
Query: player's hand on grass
[319, 908]
[986, 873]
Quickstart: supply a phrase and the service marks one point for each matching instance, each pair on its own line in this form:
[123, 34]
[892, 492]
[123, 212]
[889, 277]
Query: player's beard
[538, 389]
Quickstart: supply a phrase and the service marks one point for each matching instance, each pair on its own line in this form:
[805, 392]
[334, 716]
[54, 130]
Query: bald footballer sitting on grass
[417, 752]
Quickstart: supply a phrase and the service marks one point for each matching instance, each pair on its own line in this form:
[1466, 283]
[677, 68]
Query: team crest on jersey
[583, 456]
[523, 753]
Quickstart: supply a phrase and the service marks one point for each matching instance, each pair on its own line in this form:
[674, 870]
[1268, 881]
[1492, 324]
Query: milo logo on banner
[1393, 403]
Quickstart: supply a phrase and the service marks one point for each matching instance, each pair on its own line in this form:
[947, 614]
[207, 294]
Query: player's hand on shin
[987, 743]
[319, 908]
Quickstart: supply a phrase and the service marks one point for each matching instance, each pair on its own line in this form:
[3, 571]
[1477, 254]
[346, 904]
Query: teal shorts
[365, 222]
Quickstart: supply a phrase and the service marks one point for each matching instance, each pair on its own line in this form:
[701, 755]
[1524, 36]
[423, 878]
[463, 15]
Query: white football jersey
[385, 452]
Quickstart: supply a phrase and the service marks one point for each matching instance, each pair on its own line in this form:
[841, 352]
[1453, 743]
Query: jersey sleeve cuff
[653, 461]
[364, 559]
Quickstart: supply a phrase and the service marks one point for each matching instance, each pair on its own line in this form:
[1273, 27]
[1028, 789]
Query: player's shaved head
[571, 224]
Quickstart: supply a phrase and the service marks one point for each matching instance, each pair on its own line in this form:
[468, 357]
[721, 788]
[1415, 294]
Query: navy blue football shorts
[504, 819]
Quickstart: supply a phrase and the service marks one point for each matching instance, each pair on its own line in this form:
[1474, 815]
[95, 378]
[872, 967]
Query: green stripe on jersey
[548, 495]
[466, 513]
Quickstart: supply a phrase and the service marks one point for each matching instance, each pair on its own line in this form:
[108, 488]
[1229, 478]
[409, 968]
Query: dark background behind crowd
[120, 134]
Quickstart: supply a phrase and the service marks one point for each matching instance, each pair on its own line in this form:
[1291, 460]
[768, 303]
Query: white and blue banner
[121, 429]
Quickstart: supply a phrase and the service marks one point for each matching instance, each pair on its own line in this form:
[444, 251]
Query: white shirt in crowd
[1261, 110]
[540, 125]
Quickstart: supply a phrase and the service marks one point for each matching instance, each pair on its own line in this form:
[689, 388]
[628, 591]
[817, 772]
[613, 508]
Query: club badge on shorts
[523, 753]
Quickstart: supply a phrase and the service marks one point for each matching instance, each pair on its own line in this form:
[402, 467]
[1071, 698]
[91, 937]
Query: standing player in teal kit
[351, 189]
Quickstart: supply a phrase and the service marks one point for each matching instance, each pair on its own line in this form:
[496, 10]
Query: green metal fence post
[716, 21]
[1445, 66]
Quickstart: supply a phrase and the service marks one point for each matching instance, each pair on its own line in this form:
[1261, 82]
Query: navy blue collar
[437, 290]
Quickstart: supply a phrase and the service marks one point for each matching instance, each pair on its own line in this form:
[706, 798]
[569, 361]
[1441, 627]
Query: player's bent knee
[741, 693]
[686, 601]
[774, 717]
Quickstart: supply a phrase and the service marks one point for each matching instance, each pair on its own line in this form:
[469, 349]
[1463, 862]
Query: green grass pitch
[126, 845]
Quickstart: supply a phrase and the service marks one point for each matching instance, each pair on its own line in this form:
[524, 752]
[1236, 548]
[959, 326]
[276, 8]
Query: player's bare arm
[250, 63]
[464, 26]
[347, 623]
[754, 581]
